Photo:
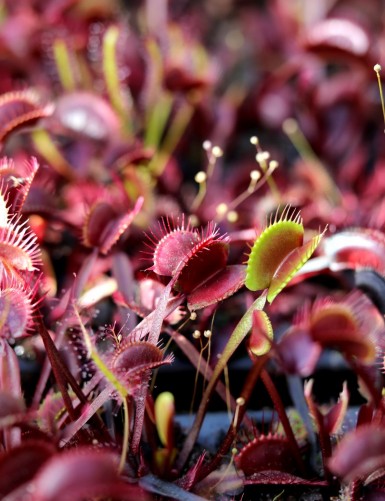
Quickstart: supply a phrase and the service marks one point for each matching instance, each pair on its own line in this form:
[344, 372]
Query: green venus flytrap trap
[278, 254]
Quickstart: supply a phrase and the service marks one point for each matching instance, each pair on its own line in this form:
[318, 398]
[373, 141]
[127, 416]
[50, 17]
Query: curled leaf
[297, 352]
[259, 341]
[164, 414]
[337, 35]
[105, 224]
[133, 360]
[82, 473]
[356, 248]
[87, 114]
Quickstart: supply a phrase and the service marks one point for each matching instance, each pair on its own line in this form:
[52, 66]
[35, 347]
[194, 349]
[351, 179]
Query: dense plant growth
[144, 224]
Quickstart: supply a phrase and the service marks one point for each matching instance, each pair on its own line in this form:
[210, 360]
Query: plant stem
[63, 65]
[126, 435]
[279, 407]
[60, 372]
[111, 76]
[246, 392]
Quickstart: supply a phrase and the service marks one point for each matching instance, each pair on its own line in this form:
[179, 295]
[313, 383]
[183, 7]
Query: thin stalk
[228, 441]
[228, 394]
[192, 354]
[377, 68]
[126, 435]
[270, 180]
[279, 407]
[198, 367]
[302, 145]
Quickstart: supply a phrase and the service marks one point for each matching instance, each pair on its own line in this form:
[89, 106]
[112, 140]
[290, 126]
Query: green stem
[177, 128]
[63, 64]
[45, 146]
[126, 435]
[111, 76]
[157, 119]
[302, 145]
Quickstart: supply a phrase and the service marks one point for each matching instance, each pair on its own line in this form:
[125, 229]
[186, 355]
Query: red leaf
[297, 352]
[21, 463]
[222, 285]
[79, 474]
[359, 454]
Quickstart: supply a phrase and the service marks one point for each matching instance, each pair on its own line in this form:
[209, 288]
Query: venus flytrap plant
[268, 254]
[116, 136]
[196, 261]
